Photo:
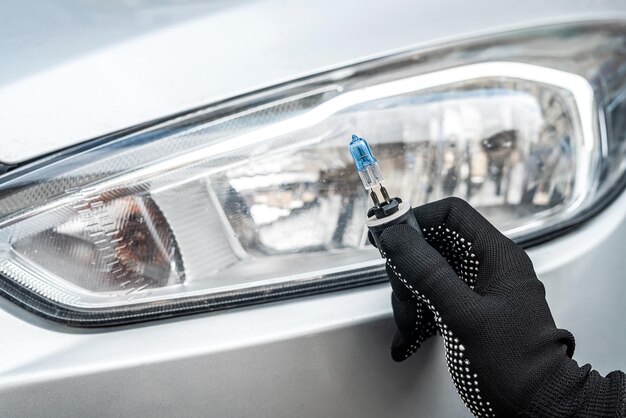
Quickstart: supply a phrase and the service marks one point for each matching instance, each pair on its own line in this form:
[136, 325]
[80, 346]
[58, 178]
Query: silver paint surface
[79, 70]
[73, 70]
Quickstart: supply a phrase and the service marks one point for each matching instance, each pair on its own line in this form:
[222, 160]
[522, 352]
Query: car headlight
[256, 199]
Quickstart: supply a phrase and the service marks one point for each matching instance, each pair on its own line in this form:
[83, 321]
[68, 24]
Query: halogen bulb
[368, 169]
[366, 164]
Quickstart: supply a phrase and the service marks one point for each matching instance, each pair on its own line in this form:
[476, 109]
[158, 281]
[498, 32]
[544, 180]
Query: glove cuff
[574, 391]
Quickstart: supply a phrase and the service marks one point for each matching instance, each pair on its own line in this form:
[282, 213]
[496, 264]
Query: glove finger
[404, 346]
[458, 216]
[400, 290]
[478, 252]
[424, 271]
[413, 317]
[408, 315]
[415, 324]
[429, 326]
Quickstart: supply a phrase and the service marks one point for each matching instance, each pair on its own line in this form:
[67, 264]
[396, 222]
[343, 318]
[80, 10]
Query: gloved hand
[504, 352]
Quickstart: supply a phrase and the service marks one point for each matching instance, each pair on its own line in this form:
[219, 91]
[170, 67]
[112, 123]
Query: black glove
[415, 322]
[504, 351]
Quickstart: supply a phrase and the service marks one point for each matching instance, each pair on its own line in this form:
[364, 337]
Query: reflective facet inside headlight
[256, 198]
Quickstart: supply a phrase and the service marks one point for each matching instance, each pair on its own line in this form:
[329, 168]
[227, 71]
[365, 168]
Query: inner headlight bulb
[387, 210]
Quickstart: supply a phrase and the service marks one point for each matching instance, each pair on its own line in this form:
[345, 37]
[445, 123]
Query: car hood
[74, 71]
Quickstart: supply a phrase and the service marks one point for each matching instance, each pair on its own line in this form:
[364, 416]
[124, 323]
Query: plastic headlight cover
[256, 198]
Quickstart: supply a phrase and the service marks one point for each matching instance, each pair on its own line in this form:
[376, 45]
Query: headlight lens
[256, 198]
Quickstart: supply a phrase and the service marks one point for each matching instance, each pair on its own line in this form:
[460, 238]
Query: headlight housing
[255, 198]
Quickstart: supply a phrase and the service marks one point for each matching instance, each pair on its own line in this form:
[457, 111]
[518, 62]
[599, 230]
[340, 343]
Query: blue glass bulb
[361, 153]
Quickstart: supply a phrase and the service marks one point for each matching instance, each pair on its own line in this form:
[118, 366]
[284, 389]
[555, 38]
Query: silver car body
[74, 71]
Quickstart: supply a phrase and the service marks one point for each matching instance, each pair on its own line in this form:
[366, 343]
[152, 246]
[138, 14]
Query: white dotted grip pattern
[458, 253]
